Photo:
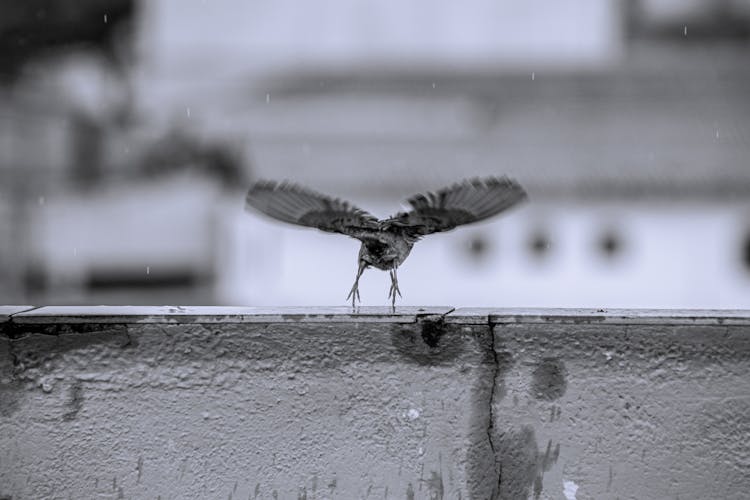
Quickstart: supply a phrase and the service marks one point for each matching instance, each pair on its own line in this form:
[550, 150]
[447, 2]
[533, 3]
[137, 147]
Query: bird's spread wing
[297, 205]
[463, 203]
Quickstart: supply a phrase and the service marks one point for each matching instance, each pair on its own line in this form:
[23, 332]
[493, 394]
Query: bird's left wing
[295, 204]
[463, 203]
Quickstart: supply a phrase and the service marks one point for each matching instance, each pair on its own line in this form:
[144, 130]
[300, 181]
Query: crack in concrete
[491, 413]
[11, 326]
[421, 316]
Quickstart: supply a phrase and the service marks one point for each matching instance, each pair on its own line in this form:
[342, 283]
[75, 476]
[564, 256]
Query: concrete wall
[423, 403]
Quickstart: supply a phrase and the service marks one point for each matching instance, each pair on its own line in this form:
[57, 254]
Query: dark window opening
[478, 247]
[610, 244]
[745, 252]
[118, 279]
[539, 244]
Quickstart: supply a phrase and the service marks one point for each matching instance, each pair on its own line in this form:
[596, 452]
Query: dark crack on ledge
[422, 316]
[491, 413]
[427, 344]
[12, 329]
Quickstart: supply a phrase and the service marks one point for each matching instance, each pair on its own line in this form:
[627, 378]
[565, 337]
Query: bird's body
[386, 243]
[385, 250]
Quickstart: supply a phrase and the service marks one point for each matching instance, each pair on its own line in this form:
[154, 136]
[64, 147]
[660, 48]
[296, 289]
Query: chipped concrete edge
[49, 319]
[46, 315]
[7, 312]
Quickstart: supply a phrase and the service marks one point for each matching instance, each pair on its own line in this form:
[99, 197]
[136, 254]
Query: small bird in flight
[386, 243]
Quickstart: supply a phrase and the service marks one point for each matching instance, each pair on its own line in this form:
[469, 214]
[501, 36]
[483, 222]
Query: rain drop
[717, 133]
[684, 31]
[268, 98]
[433, 85]
[533, 75]
[187, 110]
[105, 18]
[148, 269]
[75, 252]
[41, 200]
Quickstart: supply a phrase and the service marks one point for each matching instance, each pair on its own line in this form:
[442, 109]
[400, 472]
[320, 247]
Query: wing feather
[462, 203]
[295, 204]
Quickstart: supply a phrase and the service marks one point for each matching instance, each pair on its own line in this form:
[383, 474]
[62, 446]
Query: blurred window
[745, 251]
[610, 244]
[539, 244]
[690, 19]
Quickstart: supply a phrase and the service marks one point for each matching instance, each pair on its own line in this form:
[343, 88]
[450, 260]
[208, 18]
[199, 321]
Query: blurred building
[626, 121]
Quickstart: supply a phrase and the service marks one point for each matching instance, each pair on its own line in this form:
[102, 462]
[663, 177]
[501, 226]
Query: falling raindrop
[41, 200]
[75, 252]
[268, 98]
[433, 85]
[533, 75]
[187, 110]
[684, 31]
[148, 269]
[105, 18]
[717, 133]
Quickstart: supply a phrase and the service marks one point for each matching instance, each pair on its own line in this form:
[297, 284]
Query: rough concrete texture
[592, 411]
[287, 409]
[421, 404]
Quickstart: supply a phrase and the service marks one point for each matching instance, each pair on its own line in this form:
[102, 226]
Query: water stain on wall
[9, 399]
[431, 343]
[435, 486]
[9, 384]
[549, 379]
[522, 464]
[75, 401]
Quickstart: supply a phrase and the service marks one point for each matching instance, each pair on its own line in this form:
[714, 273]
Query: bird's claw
[354, 294]
[394, 290]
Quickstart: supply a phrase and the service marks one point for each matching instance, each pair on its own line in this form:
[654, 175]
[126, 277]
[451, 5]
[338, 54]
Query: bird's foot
[354, 294]
[394, 290]
[392, 295]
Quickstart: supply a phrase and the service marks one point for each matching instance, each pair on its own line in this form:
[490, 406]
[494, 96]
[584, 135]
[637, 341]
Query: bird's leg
[354, 292]
[394, 288]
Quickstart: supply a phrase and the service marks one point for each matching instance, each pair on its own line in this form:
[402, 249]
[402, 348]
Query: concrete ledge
[206, 314]
[132, 402]
[7, 311]
[600, 316]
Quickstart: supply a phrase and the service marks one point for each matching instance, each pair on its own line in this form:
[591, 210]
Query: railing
[171, 402]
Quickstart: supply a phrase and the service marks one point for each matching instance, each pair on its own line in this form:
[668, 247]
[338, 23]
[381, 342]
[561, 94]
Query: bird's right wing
[295, 204]
[463, 203]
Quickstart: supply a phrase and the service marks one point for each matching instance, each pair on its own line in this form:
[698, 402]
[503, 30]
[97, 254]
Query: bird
[386, 243]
